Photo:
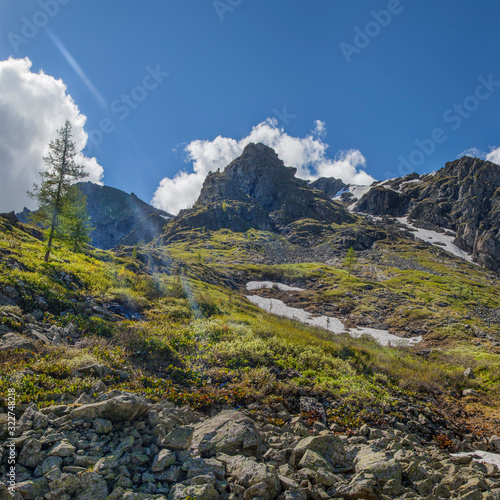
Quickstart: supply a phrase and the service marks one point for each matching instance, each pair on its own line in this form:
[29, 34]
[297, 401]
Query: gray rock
[102, 426]
[67, 484]
[314, 461]
[124, 446]
[228, 432]
[362, 486]
[11, 341]
[96, 370]
[204, 466]
[330, 447]
[62, 449]
[179, 439]
[126, 406]
[94, 487]
[163, 460]
[31, 455]
[249, 473]
[295, 495]
[33, 489]
[51, 463]
[495, 444]
[379, 465]
[200, 492]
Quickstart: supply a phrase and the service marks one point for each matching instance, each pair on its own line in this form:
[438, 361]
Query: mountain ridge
[118, 218]
[463, 197]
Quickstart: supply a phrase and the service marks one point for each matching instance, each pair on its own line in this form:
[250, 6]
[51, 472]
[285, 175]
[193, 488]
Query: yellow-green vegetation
[200, 342]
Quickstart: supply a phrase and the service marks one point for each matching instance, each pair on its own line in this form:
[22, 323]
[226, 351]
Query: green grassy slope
[199, 341]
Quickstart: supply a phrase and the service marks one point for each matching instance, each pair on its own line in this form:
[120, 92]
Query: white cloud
[33, 106]
[307, 154]
[494, 155]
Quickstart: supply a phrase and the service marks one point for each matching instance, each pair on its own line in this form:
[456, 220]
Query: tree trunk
[58, 202]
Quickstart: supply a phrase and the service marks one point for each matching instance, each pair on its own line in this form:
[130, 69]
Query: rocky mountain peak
[463, 197]
[257, 190]
[260, 152]
[467, 166]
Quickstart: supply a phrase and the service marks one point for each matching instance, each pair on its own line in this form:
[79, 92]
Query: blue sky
[231, 69]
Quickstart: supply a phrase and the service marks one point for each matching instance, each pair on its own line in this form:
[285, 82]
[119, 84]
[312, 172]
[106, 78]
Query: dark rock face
[118, 217]
[329, 185]
[464, 196]
[258, 191]
[382, 201]
[11, 217]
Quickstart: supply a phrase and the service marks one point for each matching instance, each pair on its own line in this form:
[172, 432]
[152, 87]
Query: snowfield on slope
[334, 325]
[437, 239]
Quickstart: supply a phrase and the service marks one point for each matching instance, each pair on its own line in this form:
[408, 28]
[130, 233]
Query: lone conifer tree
[350, 260]
[52, 192]
[76, 227]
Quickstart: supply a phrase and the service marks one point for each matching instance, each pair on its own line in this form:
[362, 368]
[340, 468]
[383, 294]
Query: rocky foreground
[119, 445]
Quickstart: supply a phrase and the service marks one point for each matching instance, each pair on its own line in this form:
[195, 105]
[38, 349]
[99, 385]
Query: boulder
[15, 341]
[94, 487]
[62, 449]
[329, 446]
[126, 406]
[163, 460]
[179, 439]
[229, 432]
[32, 489]
[31, 455]
[378, 464]
[102, 426]
[249, 473]
[200, 492]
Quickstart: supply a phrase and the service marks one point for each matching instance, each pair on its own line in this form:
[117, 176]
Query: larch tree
[52, 194]
[350, 260]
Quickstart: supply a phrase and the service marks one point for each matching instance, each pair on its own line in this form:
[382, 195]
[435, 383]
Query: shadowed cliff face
[258, 191]
[118, 217]
[464, 197]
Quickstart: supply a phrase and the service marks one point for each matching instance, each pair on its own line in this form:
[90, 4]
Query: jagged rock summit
[258, 191]
[463, 197]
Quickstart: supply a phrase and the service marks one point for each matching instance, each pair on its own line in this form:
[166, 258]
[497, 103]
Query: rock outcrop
[329, 185]
[463, 197]
[258, 191]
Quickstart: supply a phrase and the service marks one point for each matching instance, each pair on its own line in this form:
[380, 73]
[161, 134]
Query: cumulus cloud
[307, 154]
[494, 155]
[33, 106]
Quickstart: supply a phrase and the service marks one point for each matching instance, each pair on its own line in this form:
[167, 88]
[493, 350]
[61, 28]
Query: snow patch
[334, 325]
[441, 240]
[258, 285]
[484, 457]
[414, 181]
[359, 191]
